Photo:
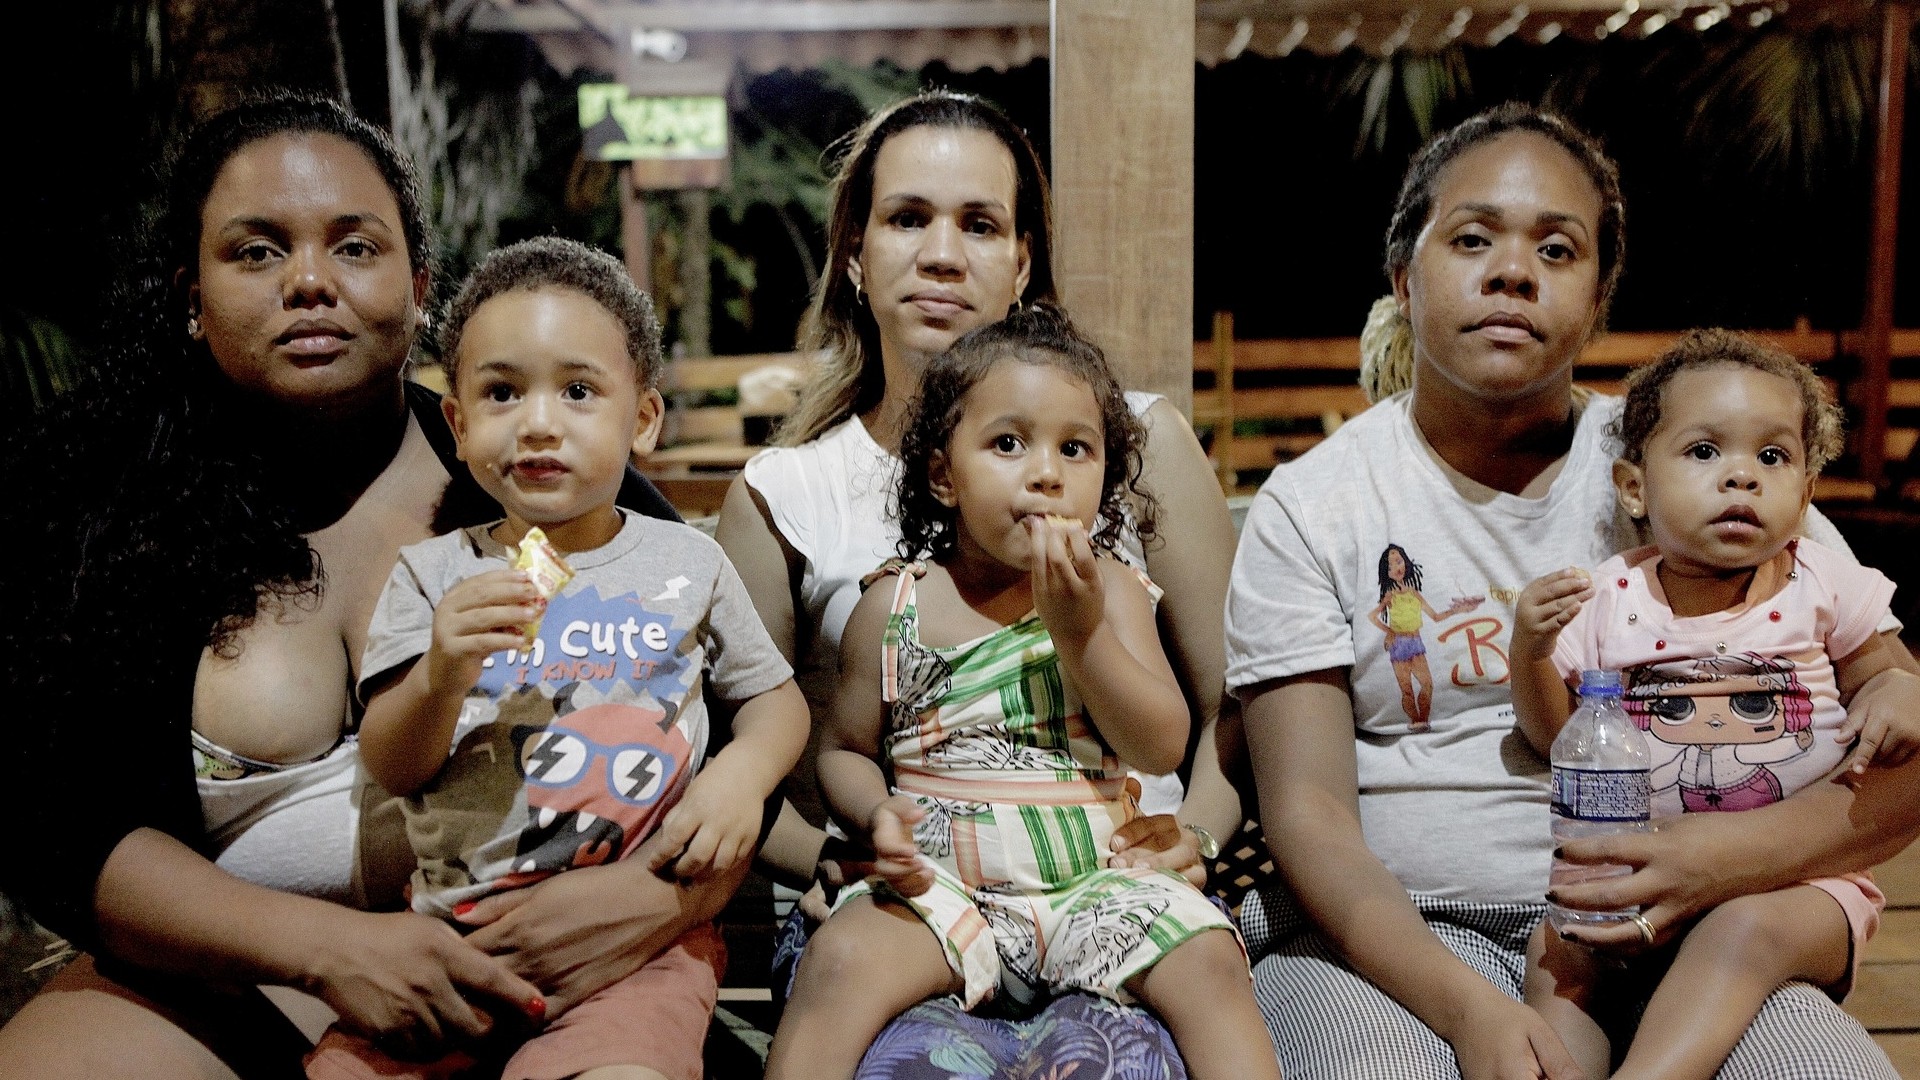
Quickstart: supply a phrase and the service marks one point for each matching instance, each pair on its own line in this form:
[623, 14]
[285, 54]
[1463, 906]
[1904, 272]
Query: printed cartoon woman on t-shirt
[1719, 722]
[1398, 615]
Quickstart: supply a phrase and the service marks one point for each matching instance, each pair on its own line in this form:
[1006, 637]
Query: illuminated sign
[622, 128]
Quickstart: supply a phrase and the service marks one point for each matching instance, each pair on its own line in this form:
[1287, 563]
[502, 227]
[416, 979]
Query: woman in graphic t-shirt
[1416, 853]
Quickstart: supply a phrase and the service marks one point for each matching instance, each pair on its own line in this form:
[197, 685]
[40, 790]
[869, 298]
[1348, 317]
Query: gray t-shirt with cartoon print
[570, 753]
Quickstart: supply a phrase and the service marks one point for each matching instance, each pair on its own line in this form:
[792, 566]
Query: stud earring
[193, 327]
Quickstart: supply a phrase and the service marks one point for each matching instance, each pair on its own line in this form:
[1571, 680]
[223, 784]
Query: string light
[1349, 35]
[1242, 34]
[1511, 23]
[1400, 35]
[1620, 18]
[1296, 34]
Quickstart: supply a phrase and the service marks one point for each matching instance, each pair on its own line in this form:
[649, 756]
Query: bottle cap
[1600, 684]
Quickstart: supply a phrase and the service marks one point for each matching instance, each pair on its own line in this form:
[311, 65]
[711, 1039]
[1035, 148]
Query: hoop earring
[859, 297]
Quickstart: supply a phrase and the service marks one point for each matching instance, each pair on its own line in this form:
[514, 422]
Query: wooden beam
[1877, 323]
[773, 16]
[1123, 183]
[636, 244]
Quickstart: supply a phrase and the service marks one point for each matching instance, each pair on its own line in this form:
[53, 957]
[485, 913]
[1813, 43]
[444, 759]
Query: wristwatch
[1209, 847]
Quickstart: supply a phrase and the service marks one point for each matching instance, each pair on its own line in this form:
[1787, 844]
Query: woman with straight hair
[940, 222]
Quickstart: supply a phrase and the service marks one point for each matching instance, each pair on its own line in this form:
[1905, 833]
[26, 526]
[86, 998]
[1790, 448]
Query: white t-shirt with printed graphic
[1457, 809]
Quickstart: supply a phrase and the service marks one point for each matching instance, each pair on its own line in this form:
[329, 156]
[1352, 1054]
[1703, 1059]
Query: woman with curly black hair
[227, 505]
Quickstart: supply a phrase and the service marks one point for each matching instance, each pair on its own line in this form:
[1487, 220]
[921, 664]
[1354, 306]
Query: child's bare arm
[1888, 735]
[1541, 701]
[717, 821]
[409, 723]
[1103, 629]
[850, 775]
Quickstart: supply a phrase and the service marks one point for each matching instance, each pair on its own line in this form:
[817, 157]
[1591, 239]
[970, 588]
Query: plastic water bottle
[1600, 788]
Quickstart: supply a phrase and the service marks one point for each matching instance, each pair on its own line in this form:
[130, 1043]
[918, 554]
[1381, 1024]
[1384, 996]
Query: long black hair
[167, 520]
[1408, 580]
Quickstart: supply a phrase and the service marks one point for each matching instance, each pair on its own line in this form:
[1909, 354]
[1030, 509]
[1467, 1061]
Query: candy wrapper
[544, 566]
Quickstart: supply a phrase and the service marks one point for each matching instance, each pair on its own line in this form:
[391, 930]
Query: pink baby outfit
[1740, 706]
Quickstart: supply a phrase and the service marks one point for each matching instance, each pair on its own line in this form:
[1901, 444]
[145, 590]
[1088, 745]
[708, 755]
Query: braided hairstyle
[1386, 345]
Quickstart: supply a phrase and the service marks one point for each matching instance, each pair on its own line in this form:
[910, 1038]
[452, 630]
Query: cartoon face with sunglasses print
[598, 780]
[1722, 720]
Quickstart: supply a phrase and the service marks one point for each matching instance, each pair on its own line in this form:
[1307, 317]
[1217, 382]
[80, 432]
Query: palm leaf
[38, 361]
[1782, 106]
[1416, 86]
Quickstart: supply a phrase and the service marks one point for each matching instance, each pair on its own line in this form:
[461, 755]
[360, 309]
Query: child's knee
[836, 954]
[1213, 953]
[1748, 928]
[885, 949]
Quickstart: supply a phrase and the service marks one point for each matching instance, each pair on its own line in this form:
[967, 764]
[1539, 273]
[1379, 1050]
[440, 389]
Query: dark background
[1291, 199]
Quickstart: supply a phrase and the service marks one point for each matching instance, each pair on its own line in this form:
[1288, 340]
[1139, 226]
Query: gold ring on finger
[1646, 928]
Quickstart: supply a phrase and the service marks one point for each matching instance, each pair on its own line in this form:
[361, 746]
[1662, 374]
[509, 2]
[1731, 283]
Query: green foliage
[779, 164]
[1786, 106]
[874, 86]
[464, 110]
[1414, 87]
[37, 361]
[1775, 107]
[742, 272]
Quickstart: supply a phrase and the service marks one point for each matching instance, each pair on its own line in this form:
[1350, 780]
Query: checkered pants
[1330, 1023]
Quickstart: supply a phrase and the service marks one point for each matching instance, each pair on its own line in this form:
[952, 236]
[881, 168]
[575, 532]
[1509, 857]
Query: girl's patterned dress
[1021, 798]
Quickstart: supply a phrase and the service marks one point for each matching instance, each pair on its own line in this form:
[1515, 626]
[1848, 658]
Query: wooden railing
[704, 445]
[1297, 391]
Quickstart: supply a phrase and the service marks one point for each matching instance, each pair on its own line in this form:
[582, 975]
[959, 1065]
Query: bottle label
[1601, 794]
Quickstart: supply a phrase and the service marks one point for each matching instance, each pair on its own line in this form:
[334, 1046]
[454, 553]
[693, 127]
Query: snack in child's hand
[545, 568]
[1060, 521]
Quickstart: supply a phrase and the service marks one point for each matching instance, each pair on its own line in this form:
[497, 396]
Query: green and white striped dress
[1021, 798]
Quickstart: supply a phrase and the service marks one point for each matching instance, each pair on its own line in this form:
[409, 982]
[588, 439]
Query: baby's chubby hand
[1544, 608]
[712, 829]
[896, 858]
[1068, 591]
[1889, 735]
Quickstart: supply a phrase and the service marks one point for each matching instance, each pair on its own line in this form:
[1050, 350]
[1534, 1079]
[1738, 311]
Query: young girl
[1008, 678]
[1741, 643]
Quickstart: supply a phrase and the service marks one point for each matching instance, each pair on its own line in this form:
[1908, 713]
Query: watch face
[1209, 847]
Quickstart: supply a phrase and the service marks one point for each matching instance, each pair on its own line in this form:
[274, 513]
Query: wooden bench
[1261, 403]
[1886, 998]
[703, 445]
